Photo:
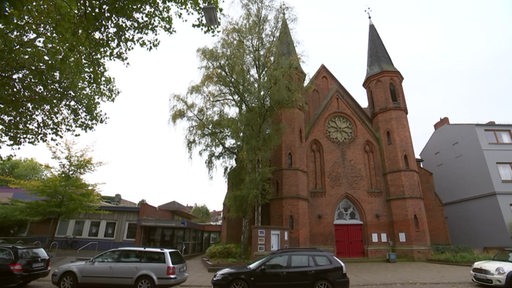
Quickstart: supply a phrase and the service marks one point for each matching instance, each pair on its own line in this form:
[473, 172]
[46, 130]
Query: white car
[129, 266]
[496, 272]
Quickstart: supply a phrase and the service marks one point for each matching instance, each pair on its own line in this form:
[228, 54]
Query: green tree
[63, 193]
[202, 213]
[53, 56]
[230, 112]
[12, 218]
[12, 169]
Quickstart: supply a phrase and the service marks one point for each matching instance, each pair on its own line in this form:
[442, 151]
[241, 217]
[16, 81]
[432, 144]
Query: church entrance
[348, 231]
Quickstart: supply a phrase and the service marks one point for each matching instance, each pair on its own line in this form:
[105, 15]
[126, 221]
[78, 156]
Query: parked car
[22, 264]
[128, 266]
[495, 272]
[309, 267]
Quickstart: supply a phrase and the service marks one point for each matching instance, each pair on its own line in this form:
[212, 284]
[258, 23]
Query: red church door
[349, 240]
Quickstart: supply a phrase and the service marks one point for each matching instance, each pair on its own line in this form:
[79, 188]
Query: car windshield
[505, 256]
[257, 263]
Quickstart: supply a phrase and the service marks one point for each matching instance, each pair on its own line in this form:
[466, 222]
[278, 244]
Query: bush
[223, 251]
[457, 254]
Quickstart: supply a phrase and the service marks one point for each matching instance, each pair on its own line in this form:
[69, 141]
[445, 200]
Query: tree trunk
[244, 243]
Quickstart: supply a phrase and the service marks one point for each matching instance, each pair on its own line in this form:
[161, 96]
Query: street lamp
[210, 15]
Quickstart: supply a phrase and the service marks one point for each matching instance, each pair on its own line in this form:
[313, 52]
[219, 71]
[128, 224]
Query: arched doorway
[348, 231]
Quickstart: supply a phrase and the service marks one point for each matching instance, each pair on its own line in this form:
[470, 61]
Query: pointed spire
[378, 57]
[285, 47]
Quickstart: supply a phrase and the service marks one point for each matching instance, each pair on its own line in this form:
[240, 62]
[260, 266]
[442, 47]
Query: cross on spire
[368, 11]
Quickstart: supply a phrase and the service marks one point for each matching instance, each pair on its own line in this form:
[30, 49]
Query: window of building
[131, 230]
[94, 229]
[388, 137]
[416, 223]
[78, 229]
[63, 227]
[392, 92]
[110, 229]
[406, 162]
[505, 170]
[346, 211]
[498, 136]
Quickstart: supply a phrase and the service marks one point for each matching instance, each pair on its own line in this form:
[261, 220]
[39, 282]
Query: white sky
[455, 56]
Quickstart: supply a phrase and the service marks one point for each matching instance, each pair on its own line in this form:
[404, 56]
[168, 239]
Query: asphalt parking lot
[362, 274]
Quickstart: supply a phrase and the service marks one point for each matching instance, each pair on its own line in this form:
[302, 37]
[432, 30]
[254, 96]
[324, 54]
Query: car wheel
[68, 280]
[144, 282]
[508, 281]
[323, 284]
[238, 283]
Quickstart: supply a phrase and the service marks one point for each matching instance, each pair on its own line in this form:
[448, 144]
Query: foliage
[13, 220]
[202, 213]
[21, 169]
[53, 59]
[64, 193]
[230, 112]
[223, 251]
[458, 254]
[59, 192]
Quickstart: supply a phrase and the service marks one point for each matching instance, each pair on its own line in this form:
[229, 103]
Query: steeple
[378, 57]
[285, 48]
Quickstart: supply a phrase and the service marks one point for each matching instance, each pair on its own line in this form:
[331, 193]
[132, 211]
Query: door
[274, 240]
[349, 240]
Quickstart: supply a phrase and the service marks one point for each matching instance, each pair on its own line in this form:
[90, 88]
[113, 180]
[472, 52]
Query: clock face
[339, 129]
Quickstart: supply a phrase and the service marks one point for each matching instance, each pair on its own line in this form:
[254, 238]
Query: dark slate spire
[378, 57]
[285, 47]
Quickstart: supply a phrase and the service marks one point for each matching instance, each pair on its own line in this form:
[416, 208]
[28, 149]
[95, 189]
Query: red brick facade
[346, 177]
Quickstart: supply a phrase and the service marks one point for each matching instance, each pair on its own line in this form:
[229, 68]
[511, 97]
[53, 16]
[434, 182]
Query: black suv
[21, 264]
[307, 267]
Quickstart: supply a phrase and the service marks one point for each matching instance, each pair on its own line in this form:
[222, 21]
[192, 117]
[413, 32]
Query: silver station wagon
[128, 266]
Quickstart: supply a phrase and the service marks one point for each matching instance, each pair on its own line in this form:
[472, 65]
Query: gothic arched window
[318, 165]
[388, 137]
[370, 159]
[406, 161]
[346, 212]
[392, 92]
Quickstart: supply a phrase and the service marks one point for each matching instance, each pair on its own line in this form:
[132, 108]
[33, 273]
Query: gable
[325, 94]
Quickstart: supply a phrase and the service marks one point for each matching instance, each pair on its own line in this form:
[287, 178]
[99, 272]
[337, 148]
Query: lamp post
[210, 15]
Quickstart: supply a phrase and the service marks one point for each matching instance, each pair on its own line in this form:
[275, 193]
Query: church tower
[388, 110]
[289, 202]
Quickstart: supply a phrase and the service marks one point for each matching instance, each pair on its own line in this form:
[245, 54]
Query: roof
[378, 58]
[7, 193]
[177, 208]
[285, 47]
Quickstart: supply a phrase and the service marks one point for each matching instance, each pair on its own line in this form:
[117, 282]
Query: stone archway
[348, 231]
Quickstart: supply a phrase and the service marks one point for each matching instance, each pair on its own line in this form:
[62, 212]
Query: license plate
[37, 265]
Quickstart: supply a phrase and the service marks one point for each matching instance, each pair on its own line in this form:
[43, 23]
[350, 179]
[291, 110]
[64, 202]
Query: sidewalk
[366, 273]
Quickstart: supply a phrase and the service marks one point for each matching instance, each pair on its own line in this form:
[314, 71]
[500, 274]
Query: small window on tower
[392, 92]
[406, 162]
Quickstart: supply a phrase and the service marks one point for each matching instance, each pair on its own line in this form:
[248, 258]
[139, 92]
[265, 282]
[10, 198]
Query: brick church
[346, 177]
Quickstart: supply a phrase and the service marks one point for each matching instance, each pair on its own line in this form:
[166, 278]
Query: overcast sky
[455, 56]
